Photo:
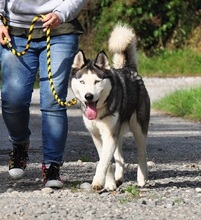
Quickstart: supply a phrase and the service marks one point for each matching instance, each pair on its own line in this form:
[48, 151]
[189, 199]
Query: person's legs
[18, 76]
[54, 116]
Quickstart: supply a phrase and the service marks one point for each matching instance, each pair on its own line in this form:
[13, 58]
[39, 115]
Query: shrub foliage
[158, 24]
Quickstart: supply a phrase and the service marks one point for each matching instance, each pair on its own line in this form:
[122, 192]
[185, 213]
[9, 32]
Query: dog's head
[90, 82]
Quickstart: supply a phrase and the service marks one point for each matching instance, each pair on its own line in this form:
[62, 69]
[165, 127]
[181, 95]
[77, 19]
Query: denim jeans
[18, 77]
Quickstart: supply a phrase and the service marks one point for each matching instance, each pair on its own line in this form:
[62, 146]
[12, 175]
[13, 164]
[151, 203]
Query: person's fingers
[4, 35]
[51, 20]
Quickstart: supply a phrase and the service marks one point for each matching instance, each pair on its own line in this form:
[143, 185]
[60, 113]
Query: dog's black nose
[89, 97]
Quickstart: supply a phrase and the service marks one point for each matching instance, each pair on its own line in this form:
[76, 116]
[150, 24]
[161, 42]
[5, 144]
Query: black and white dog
[113, 100]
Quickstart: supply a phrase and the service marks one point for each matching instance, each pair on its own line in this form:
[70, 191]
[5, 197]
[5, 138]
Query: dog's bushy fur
[114, 100]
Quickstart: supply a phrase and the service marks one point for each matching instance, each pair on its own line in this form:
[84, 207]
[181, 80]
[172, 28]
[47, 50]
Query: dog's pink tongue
[91, 111]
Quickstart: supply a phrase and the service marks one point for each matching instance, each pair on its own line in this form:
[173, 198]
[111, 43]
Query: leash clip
[8, 43]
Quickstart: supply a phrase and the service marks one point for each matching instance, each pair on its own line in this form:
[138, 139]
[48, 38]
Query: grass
[85, 158]
[133, 191]
[73, 186]
[175, 63]
[178, 63]
[184, 103]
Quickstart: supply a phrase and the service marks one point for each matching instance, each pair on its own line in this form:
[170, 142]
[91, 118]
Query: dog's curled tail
[122, 43]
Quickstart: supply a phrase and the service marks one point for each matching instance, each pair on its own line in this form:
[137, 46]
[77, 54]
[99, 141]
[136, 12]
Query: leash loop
[17, 53]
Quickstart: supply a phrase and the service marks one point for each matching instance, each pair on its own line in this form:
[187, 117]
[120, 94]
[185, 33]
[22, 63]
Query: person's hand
[4, 33]
[51, 20]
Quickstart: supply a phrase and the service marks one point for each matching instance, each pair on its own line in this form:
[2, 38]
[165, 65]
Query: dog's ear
[79, 60]
[102, 61]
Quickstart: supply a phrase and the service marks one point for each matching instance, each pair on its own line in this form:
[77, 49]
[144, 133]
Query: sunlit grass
[184, 62]
[182, 103]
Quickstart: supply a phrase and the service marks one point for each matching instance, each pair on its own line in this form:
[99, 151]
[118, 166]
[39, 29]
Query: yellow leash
[9, 45]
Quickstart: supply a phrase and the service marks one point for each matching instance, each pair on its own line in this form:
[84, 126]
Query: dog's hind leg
[141, 142]
[119, 163]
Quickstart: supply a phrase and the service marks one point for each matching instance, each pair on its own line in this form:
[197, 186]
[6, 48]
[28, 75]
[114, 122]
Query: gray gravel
[172, 192]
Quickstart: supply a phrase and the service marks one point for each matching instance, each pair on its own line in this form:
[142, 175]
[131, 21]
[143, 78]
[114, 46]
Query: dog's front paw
[97, 184]
[97, 187]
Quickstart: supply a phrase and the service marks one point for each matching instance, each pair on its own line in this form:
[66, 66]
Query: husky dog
[114, 101]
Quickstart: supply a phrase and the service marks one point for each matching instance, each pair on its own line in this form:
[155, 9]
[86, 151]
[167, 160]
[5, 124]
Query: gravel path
[172, 192]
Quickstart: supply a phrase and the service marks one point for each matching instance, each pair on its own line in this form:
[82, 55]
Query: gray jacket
[19, 13]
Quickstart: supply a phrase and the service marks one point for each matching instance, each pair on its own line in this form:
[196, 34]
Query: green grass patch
[73, 186]
[85, 158]
[182, 103]
[175, 63]
[133, 191]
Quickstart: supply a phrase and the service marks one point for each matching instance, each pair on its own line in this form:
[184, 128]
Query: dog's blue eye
[82, 82]
[97, 81]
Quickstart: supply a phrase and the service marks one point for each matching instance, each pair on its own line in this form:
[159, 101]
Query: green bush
[158, 24]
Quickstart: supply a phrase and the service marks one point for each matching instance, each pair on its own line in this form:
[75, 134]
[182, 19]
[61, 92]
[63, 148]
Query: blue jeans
[18, 77]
